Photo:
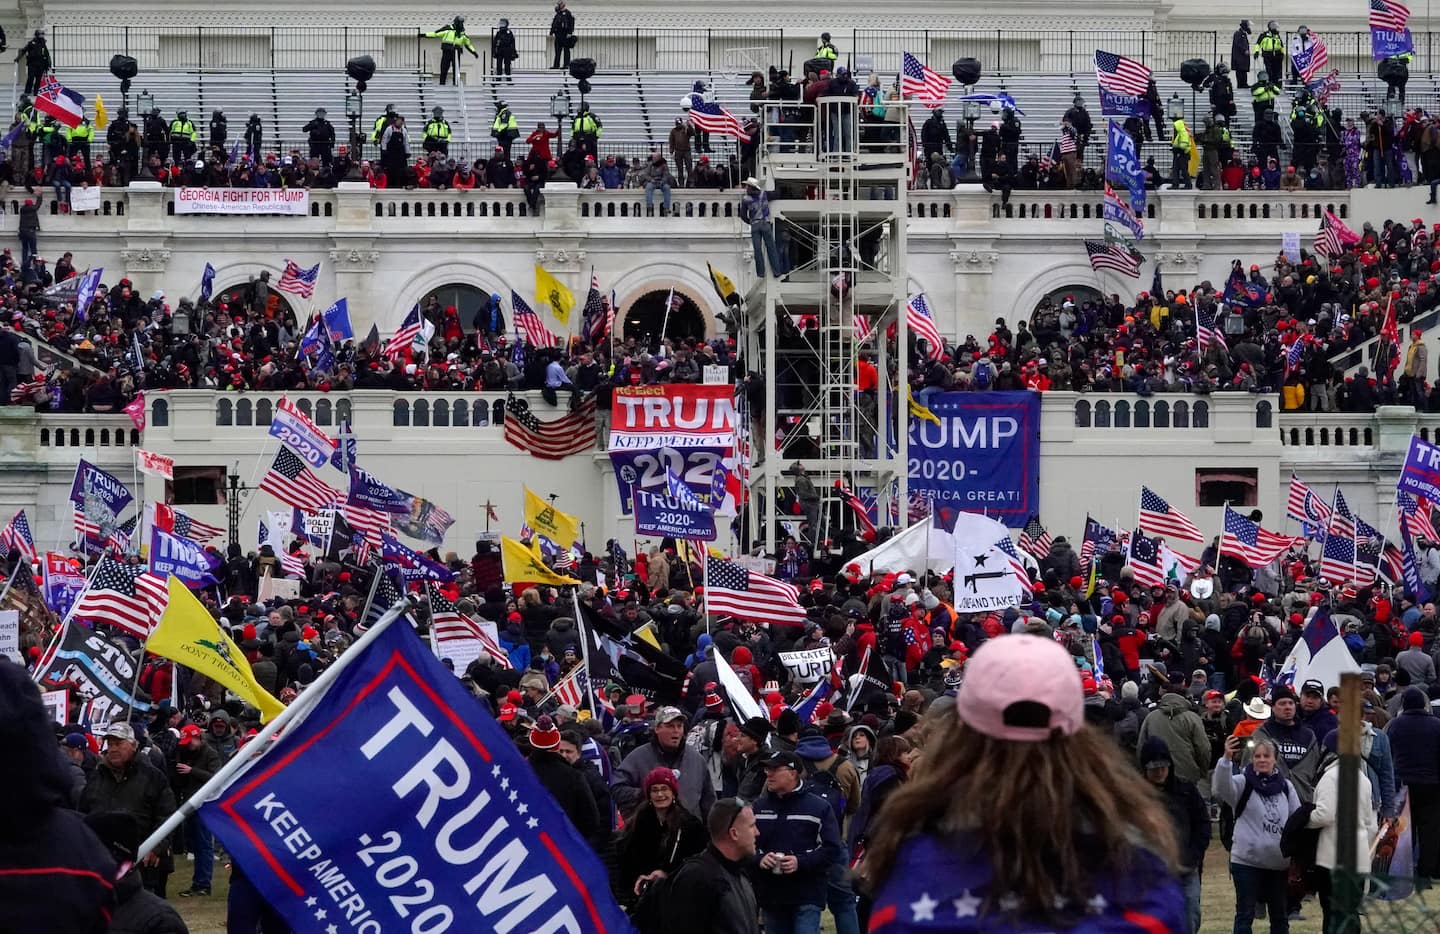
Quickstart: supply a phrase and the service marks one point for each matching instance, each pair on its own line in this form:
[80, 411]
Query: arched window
[1182, 415]
[323, 411]
[1102, 414]
[497, 412]
[420, 414]
[466, 299]
[1082, 414]
[60, 438]
[1202, 414]
[244, 412]
[1309, 437]
[482, 413]
[1264, 414]
[1142, 414]
[402, 413]
[264, 411]
[74, 437]
[44, 437]
[1162, 414]
[89, 437]
[160, 413]
[104, 437]
[342, 410]
[134, 437]
[461, 410]
[1122, 414]
[442, 413]
[305, 406]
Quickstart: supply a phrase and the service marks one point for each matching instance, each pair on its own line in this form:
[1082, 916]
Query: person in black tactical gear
[453, 41]
[562, 28]
[182, 138]
[502, 49]
[1222, 95]
[116, 135]
[37, 61]
[1267, 137]
[1306, 128]
[321, 134]
[437, 133]
[254, 136]
[157, 136]
[1240, 54]
[935, 135]
[3, 44]
[1080, 122]
[1157, 109]
[1010, 131]
[219, 134]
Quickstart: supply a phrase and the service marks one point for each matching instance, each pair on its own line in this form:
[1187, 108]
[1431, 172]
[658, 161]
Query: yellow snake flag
[102, 118]
[544, 519]
[524, 565]
[551, 291]
[918, 410]
[188, 635]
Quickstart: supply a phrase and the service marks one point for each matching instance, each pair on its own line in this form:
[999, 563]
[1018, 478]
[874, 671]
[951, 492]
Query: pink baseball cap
[1021, 688]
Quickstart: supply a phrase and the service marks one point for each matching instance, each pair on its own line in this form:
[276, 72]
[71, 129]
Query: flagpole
[584, 651]
[14, 573]
[273, 731]
[65, 623]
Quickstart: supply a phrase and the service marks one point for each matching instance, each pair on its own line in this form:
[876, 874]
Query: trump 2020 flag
[337, 321]
[1320, 655]
[444, 826]
[186, 560]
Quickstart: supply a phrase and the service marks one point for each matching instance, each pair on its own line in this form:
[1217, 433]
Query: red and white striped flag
[553, 439]
[735, 591]
[1160, 518]
[923, 82]
[528, 323]
[291, 482]
[126, 596]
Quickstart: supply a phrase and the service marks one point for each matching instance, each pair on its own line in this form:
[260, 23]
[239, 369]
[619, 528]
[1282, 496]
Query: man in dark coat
[137, 911]
[125, 781]
[1188, 814]
[197, 761]
[562, 30]
[565, 785]
[1415, 747]
[712, 891]
[1240, 54]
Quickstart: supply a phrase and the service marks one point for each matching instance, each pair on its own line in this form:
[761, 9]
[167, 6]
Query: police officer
[1268, 137]
[183, 136]
[562, 28]
[1222, 94]
[502, 49]
[505, 128]
[1263, 94]
[37, 61]
[827, 51]
[155, 136]
[381, 122]
[1307, 129]
[79, 137]
[1081, 123]
[52, 139]
[452, 42]
[1240, 54]
[1271, 49]
[219, 134]
[254, 137]
[586, 130]
[437, 133]
[1180, 146]
[116, 135]
[322, 137]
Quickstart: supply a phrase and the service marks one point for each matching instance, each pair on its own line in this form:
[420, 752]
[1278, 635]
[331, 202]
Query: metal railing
[1002, 52]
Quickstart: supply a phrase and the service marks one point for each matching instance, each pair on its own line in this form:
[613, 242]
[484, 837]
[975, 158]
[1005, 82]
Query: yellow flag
[918, 410]
[102, 119]
[724, 286]
[647, 633]
[551, 291]
[524, 565]
[188, 634]
[544, 519]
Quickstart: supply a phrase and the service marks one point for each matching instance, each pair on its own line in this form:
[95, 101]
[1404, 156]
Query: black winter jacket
[567, 787]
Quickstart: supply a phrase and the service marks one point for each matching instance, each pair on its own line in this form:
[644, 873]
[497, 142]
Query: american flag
[1051, 158]
[925, 83]
[573, 687]
[731, 589]
[710, 117]
[1250, 543]
[405, 336]
[1113, 256]
[23, 391]
[291, 482]
[1294, 354]
[1312, 62]
[1302, 505]
[1388, 15]
[1067, 141]
[447, 621]
[572, 433]
[528, 323]
[385, 596]
[1415, 514]
[1145, 560]
[1369, 549]
[863, 328]
[292, 563]
[179, 522]
[922, 324]
[94, 535]
[1160, 518]
[596, 317]
[17, 535]
[371, 524]
[1014, 562]
[298, 281]
[1205, 330]
[125, 596]
[1034, 539]
[1121, 75]
[1334, 236]
[1337, 557]
[1097, 539]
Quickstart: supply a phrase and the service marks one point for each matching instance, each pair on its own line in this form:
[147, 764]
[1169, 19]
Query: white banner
[292, 201]
[809, 666]
[155, 465]
[84, 199]
[1290, 246]
[10, 634]
[58, 703]
[983, 577]
[466, 649]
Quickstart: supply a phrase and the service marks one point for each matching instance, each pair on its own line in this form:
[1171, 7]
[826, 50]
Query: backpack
[981, 376]
[1256, 637]
[827, 785]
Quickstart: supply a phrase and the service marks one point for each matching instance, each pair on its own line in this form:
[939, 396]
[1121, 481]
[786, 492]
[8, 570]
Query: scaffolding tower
[837, 185]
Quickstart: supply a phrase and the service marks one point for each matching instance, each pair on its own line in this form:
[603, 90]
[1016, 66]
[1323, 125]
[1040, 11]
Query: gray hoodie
[1258, 828]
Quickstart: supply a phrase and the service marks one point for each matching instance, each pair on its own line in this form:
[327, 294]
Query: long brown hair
[1028, 805]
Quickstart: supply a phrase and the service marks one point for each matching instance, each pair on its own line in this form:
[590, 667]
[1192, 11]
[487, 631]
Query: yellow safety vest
[827, 51]
[81, 134]
[437, 129]
[1270, 42]
[505, 120]
[1182, 137]
[585, 123]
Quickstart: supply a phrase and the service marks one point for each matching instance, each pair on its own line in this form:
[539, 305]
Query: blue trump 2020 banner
[1421, 474]
[984, 456]
[397, 804]
[1124, 105]
[1122, 164]
[666, 516]
[187, 560]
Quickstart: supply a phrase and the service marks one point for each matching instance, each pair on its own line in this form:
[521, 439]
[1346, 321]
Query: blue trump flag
[93, 483]
[1125, 105]
[85, 291]
[429, 818]
[1122, 165]
[368, 490]
[1387, 42]
[187, 560]
[983, 455]
[207, 281]
[337, 321]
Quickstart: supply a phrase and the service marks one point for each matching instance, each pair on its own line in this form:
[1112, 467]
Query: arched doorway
[646, 315]
[1079, 294]
[239, 297]
[466, 298]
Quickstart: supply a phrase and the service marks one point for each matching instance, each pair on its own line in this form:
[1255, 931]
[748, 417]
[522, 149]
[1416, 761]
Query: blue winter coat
[802, 825]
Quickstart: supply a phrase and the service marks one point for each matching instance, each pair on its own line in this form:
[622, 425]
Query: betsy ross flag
[1145, 560]
[734, 591]
[1312, 62]
[1034, 539]
[1121, 75]
[291, 482]
[572, 433]
[528, 323]
[1113, 256]
[1250, 543]
[126, 596]
[925, 83]
[16, 535]
[405, 336]
[922, 324]
[1389, 15]
[1206, 333]
[1302, 505]
[1160, 518]
[710, 117]
[55, 99]
[298, 281]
